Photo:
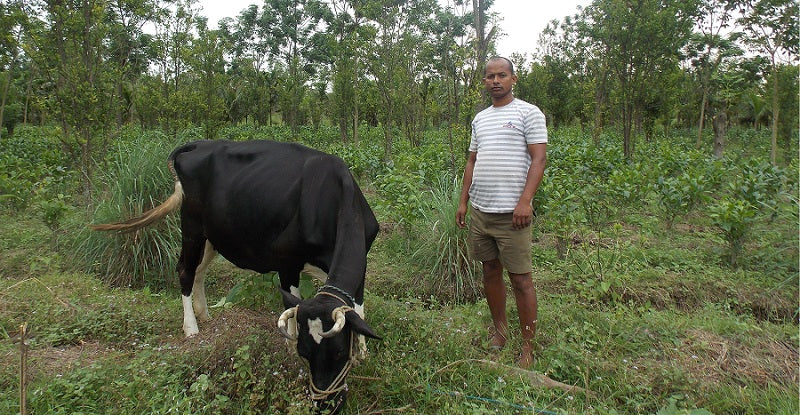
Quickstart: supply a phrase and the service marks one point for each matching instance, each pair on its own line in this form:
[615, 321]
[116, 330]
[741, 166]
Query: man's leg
[525, 296]
[495, 289]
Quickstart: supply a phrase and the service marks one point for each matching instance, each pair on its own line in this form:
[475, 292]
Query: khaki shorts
[492, 235]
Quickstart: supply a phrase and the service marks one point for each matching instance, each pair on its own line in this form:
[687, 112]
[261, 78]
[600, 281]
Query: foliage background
[649, 317]
[666, 243]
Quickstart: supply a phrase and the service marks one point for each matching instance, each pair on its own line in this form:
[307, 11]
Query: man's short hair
[499, 58]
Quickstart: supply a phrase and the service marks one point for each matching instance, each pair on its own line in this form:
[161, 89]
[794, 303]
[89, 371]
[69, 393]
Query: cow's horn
[283, 323]
[338, 318]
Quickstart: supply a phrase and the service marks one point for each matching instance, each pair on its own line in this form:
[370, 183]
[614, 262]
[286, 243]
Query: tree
[771, 29]
[172, 45]
[12, 18]
[708, 48]
[128, 49]
[347, 27]
[297, 22]
[71, 49]
[208, 66]
[642, 40]
[393, 51]
[453, 59]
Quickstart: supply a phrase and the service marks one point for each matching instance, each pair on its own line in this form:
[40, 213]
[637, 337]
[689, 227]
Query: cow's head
[328, 333]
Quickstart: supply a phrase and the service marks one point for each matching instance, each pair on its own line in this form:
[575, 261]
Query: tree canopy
[642, 67]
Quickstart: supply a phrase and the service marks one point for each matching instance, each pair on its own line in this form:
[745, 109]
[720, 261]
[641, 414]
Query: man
[507, 156]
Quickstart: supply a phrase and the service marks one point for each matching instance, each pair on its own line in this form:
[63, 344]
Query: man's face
[498, 79]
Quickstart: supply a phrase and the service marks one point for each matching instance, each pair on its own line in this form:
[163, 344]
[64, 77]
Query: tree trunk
[773, 155]
[3, 99]
[599, 99]
[627, 133]
[355, 102]
[720, 122]
[701, 122]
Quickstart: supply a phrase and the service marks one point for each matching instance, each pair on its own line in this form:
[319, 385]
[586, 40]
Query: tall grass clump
[449, 274]
[135, 180]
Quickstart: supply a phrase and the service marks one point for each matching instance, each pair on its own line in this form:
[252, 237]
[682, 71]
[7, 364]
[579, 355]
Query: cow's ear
[360, 326]
[289, 300]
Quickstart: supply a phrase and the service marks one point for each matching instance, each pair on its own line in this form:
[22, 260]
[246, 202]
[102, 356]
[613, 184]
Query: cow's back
[266, 205]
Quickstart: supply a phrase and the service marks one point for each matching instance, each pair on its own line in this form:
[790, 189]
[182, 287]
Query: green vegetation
[696, 317]
[666, 243]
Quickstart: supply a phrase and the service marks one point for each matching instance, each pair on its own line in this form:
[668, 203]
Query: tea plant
[560, 209]
[735, 218]
[679, 195]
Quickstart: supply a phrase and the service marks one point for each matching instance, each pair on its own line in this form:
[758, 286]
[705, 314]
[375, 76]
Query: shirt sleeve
[535, 127]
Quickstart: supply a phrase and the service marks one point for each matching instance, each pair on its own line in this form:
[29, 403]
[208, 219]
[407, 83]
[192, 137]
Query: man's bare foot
[496, 339]
[525, 360]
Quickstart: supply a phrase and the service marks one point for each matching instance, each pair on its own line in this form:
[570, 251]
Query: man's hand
[523, 214]
[461, 215]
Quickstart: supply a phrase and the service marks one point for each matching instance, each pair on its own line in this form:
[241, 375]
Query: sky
[522, 20]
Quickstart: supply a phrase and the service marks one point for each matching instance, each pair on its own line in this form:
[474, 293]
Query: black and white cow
[269, 206]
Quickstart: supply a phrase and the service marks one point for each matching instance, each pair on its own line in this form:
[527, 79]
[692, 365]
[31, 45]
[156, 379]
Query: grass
[682, 329]
[676, 330]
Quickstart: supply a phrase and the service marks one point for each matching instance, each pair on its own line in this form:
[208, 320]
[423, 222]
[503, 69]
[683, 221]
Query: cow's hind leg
[199, 287]
[191, 256]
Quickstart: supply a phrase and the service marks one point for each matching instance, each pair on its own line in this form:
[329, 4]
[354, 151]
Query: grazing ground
[679, 337]
[666, 285]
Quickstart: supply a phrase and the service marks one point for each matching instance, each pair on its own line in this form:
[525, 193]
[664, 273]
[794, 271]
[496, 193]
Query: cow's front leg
[290, 282]
[189, 320]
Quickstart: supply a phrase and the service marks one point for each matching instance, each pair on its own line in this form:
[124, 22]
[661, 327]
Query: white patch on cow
[189, 321]
[359, 309]
[315, 329]
[315, 272]
[199, 287]
[295, 291]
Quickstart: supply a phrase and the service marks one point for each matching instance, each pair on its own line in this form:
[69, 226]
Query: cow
[272, 206]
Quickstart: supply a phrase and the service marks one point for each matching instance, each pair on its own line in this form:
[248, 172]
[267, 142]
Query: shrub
[450, 273]
[734, 218]
[558, 203]
[136, 180]
[31, 163]
[401, 196]
[679, 195]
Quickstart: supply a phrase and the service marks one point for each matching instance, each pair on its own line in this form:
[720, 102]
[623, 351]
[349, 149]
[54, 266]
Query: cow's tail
[153, 215]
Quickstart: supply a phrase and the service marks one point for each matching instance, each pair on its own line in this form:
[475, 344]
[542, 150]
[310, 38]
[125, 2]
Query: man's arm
[523, 213]
[469, 168]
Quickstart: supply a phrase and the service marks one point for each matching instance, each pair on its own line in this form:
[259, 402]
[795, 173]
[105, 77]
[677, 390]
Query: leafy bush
[364, 160]
[734, 218]
[54, 210]
[679, 195]
[759, 184]
[32, 163]
[401, 195]
[559, 206]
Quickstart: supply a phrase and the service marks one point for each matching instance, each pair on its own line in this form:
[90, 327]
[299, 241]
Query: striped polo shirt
[500, 136]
